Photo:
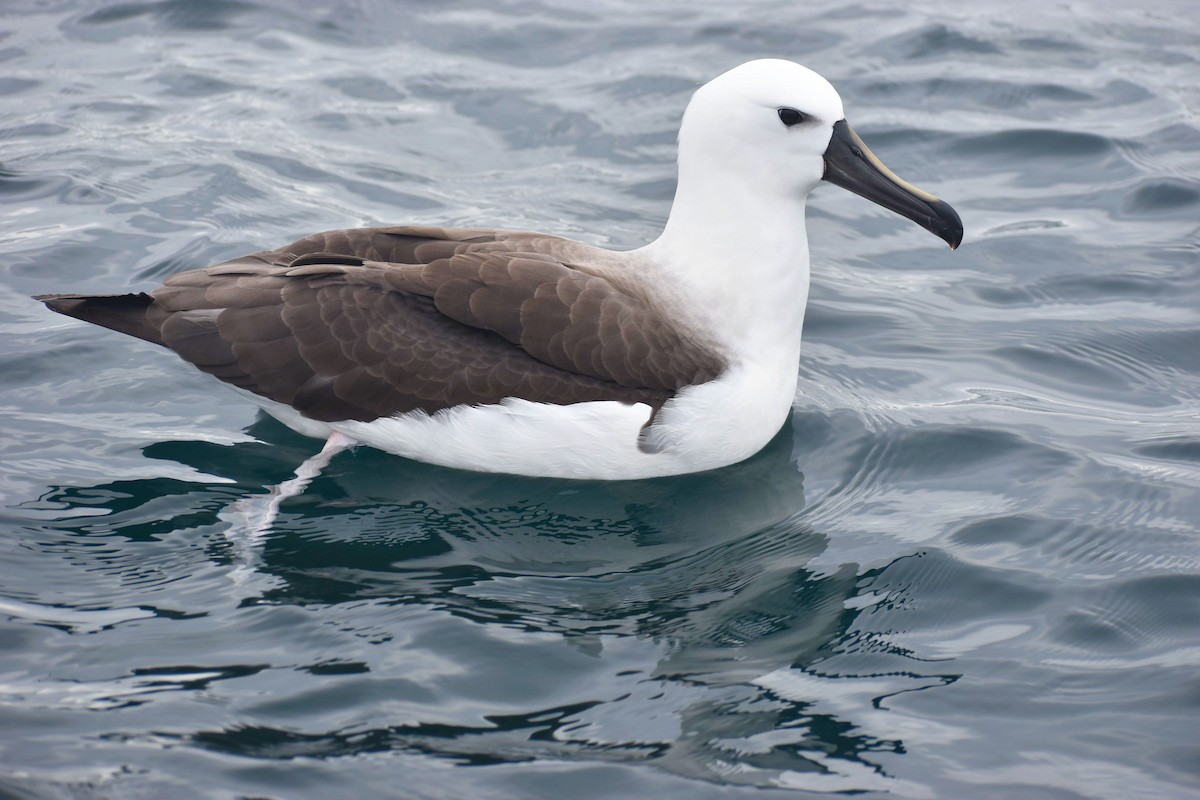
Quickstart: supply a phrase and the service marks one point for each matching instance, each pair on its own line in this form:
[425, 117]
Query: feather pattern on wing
[367, 323]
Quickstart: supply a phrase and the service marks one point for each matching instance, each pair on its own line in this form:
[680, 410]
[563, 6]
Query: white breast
[703, 427]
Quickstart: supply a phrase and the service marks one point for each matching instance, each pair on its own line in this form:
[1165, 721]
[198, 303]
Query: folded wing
[367, 323]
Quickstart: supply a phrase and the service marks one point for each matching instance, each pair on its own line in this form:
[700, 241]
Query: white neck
[738, 260]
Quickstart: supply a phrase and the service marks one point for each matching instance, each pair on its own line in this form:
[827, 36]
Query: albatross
[530, 354]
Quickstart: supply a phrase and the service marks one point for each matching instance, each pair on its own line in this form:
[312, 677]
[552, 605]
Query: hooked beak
[849, 163]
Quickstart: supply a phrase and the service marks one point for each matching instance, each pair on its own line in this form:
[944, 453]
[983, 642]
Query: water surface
[969, 566]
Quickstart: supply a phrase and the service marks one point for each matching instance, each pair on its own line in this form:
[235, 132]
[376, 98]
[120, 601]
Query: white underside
[703, 427]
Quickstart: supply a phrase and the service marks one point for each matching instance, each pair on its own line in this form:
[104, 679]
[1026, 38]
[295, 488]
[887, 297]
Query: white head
[757, 139]
[753, 143]
[740, 120]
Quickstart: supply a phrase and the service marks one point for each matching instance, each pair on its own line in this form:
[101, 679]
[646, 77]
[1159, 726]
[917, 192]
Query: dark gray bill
[849, 163]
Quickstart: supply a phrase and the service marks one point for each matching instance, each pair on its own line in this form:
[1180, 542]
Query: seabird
[525, 353]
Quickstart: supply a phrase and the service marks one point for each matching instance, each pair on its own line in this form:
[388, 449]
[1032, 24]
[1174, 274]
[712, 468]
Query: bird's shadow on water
[712, 568]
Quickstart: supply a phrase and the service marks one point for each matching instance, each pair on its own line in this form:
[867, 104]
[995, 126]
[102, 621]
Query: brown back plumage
[365, 323]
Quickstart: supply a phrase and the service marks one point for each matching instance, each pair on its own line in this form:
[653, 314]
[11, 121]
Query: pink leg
[251, 518]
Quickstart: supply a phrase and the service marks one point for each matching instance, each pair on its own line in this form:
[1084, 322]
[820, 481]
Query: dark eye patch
[790, 116]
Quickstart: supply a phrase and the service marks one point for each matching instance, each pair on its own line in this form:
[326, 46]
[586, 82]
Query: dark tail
[125, 313]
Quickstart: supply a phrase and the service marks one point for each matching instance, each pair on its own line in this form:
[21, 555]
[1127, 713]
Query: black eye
[790, 117]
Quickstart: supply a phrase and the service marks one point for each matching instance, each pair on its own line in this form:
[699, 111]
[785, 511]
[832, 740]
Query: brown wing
[366, 323]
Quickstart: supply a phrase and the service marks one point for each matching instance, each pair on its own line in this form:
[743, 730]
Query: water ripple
[967, 567]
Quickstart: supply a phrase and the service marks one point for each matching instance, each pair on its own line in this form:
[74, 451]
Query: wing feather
[361, 324]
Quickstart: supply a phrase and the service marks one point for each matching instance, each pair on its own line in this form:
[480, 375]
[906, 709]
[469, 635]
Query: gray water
[969, 567]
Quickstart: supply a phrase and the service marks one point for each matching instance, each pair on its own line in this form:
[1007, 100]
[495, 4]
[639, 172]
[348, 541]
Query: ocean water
[968, 567]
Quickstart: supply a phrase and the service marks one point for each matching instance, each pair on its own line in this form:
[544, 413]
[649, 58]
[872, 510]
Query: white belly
[703, 427]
